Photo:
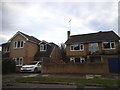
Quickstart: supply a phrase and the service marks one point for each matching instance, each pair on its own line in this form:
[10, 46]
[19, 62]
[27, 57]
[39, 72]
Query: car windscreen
[33, 63]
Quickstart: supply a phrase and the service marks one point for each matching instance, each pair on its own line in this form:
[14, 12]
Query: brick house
[24, 49]
[49, 52]
[92, 47]
[6, 50]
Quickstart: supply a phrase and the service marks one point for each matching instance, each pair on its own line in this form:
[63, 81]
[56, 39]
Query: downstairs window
[19, 61]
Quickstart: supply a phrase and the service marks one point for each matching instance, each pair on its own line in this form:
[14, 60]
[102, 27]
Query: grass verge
[105, 82]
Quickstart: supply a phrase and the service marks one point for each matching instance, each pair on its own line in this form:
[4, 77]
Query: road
[8, 81]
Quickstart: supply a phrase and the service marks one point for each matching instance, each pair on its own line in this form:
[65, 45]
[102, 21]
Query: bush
[8, 66]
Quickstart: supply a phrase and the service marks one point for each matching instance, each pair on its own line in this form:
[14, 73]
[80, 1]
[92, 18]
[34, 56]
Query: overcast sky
[49, 20]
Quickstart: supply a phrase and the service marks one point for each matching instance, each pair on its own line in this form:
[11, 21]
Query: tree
[63, 52]
[8, 66]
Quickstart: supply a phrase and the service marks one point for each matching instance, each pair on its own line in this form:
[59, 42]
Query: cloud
[4, 38]
[49, 20]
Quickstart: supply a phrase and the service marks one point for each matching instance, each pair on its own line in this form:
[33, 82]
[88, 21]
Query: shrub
[8, 66]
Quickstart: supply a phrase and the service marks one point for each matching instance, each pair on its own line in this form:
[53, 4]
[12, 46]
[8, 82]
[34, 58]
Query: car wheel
[35, 70]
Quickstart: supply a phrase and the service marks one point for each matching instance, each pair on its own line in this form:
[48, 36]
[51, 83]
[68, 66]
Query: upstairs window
[43, 47]
[93, 47]
[77, 47]
[108, 45]
[18, 44]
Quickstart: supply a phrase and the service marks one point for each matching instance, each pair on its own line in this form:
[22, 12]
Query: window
[18, 44]
[93, 47]
[7, 49]
[82, 59]
[77, 47]
[21, 44]
[72, 59]
[15, 44]
[95, 59]
[109, 45]
[19, 61]
[43, 47]
[79, 59]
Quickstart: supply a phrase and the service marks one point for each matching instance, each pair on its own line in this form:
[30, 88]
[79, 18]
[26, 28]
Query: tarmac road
[37, 85]
[8, 82]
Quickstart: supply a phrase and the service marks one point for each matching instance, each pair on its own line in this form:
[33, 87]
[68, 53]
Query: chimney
[68, 34]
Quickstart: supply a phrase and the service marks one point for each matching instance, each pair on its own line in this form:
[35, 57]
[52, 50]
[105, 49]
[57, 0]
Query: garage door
[114, 65]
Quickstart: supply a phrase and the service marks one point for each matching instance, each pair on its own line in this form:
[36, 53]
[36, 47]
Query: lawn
[79, 81]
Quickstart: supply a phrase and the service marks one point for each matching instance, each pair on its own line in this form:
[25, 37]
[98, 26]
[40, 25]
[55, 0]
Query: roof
[6, 44]
[93, 37]
[29, 38]
[47, 53]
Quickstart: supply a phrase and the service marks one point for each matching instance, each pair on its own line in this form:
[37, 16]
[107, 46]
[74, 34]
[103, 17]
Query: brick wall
[100, 68]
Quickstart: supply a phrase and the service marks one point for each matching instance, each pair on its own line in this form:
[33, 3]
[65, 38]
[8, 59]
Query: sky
[49, 21]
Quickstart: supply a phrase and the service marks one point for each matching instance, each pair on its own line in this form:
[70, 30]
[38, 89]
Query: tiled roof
[6, 44]
[31, 38]
[93, 37]
[47, 53]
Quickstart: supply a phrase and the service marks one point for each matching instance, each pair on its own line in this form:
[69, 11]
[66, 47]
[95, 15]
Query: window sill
[76, 50]
[43, 51]
[19, 48]
[18, 65]
[109, 49]
[7, 51]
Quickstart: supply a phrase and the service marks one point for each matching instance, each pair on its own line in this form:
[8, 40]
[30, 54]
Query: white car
[35, 66]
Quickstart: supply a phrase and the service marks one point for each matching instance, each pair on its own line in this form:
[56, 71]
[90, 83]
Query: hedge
[8, 66]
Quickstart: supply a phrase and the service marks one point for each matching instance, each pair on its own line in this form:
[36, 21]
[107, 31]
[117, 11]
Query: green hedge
[8, 66]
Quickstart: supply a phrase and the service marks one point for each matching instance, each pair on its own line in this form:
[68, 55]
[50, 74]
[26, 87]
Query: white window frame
[79, 47]
[81, 58]
[16, 45]
[72, 59]
[110, 45]
[18, 61]
[43, 45]
[6, 49]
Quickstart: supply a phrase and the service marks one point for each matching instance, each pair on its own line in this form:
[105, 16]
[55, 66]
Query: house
[6, 50]
[48, 52]
[24, 49]
[92, 47]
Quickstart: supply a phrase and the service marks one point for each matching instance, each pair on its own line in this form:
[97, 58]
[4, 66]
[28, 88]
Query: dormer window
[43, 47]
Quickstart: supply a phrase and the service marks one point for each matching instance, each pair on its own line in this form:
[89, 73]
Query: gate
[114, 65]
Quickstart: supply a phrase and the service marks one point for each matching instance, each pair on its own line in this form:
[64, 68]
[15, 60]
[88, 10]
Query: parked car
[34, 66]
